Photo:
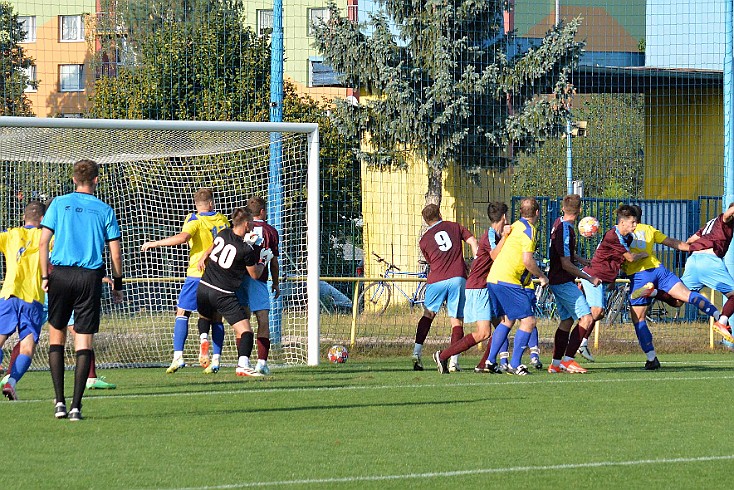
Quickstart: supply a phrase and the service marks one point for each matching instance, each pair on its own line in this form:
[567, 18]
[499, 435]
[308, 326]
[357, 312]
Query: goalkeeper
[199, 230]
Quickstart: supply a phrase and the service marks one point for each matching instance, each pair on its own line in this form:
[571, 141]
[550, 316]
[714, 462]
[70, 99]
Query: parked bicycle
[377, 295]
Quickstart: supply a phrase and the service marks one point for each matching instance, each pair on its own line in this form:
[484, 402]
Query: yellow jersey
[203, 228]
[22, 264]
[644, 239]
[509, 267]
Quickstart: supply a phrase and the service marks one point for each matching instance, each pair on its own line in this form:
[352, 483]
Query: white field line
[477, 471]
[248, 389]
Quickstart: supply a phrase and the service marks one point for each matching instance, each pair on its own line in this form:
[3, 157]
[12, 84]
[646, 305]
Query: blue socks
[180, 332]
[644, 336]
[499, 338]
[217, 337]
[20, 366]
[521, 341]
[699, 301]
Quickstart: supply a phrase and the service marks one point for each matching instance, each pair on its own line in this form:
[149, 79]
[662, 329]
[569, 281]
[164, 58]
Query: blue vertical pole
[569, 158]
[728, 196]
[275, 188]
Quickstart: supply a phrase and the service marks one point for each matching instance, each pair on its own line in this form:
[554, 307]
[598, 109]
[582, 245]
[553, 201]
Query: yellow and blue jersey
[509, 267]
[22, 264]
[644, 239]
[203, 228]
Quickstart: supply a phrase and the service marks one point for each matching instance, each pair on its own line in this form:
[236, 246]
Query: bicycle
[378, 294]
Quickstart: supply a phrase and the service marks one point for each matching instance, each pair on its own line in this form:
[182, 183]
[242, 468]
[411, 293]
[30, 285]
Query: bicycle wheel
[616, 306]
[420, 296]
[375, 298]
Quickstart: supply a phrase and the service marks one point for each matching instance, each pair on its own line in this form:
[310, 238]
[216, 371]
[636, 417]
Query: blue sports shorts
[516, 301]
[704, 269]
[187, 296]
[254, 294]
[478, 306]
[26, 317]
[570, 301]
[661, 277]
[595, 295]
[449, 290]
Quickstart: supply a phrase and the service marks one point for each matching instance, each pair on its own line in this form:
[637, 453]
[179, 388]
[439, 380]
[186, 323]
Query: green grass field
[374, 423]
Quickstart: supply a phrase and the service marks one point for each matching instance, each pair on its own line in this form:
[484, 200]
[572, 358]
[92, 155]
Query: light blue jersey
[93, 223]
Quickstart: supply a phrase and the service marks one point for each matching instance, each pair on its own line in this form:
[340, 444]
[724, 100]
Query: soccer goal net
[149, 171]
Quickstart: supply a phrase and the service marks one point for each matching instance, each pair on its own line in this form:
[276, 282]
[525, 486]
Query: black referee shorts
[210, 301]
[75, 289]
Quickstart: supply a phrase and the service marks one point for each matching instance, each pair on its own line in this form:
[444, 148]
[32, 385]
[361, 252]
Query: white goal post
[149, 173]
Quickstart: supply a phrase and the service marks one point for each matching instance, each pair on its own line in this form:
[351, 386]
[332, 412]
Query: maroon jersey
[270, 240]
[562, 244]
[481, 265]
[715, 235]
[609, 255]
[442, 247]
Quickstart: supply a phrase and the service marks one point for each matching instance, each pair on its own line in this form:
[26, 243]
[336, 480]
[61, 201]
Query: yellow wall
[684, 144]
[392, 201]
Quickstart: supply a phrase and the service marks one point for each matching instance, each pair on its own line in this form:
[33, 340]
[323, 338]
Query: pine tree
[448, 91]
[13, 63]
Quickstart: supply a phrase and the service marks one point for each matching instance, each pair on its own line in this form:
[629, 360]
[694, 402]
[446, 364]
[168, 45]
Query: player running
[199, 230]
[21, 297]
[232, 255]
[570, 301]
[477, 307]
[441, 245]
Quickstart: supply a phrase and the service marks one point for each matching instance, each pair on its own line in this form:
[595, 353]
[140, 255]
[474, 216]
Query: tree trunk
[435, 186]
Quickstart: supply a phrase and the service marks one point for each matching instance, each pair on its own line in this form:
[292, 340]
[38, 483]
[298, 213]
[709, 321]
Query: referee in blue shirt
[81, 224]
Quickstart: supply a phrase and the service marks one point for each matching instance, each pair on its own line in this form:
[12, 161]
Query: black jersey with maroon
[228, 261]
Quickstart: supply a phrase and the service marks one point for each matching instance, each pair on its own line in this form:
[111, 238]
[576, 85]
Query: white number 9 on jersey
[443, 240]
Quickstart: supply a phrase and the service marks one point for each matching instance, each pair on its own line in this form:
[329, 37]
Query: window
[264, 22]
[71, 28]
[72, 115]
[28, 25]
[317, 17]
[322, 75]
[71, 78]
[31, 74]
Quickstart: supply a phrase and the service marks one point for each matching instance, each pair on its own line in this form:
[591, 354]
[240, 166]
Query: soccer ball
[588, 227]
[338, 354]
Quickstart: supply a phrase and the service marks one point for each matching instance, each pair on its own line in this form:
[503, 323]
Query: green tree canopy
[13, 63]
[609, 158]
[449, 91]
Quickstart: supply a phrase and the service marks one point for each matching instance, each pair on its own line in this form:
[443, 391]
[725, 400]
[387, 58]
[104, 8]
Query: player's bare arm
[201, 265]
[532, 267]
[274, 274]
[630, 257]
[569, 267]
[116, 257]
[171, 241]
[43, 248]
[693, 238]
[676, 244]
[474, 244]
[728, 214]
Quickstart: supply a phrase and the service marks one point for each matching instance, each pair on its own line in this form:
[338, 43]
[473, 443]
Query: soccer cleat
[553, 369]
[483, 368]
[5, 379]
[585, 353]
[212, 368]
[204, 359]
[521, 370]
[442, 366]
[99, 384]
[573, 367]
[247, 371]
[60, 411]
[643, 292]
[652, 365]
[454, 368]
[262, 369]
[502, 367]
[723, 330]
[417, 363]
[536, 363]
[727, 344]
[9, 391]
[75, 415]
[175, 366]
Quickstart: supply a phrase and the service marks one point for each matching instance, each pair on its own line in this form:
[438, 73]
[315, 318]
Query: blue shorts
[187, 296]
[26, 317]
[449, 290]
[478, 306]
[570, 301]
[661, 277]
[516, 301]
[704, 269]
[253, 294]
[595, 295]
